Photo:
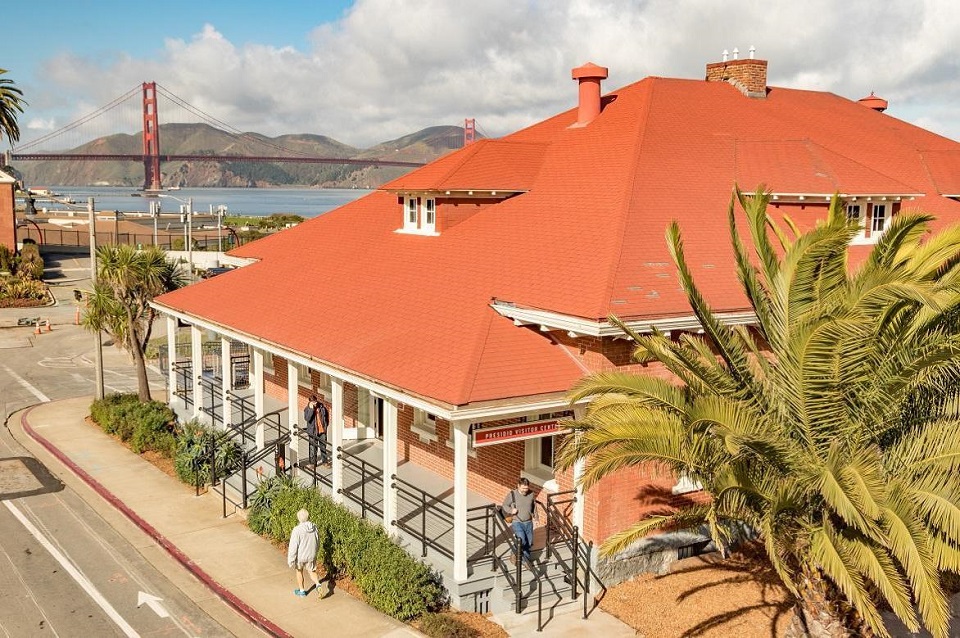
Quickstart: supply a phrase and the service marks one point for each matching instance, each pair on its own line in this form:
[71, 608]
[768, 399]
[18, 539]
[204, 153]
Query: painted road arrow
[153, 602]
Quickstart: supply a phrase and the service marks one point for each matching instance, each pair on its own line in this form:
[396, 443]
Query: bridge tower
[469, 131]
[151, 138]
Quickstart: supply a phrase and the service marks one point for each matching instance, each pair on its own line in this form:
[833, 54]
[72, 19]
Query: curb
[238, 605]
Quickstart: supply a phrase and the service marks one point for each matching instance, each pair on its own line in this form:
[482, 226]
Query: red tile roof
[586, 238]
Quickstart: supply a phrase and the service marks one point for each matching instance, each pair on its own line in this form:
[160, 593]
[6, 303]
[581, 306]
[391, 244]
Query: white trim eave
[579, 326]
[813, 197]
[444, 411]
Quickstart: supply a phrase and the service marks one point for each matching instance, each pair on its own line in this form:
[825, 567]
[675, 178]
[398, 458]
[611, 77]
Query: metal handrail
[317, 476]
[442, 510]
[513, 544]
[356, 463]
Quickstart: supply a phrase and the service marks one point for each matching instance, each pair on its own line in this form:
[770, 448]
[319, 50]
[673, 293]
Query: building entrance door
[378, 417]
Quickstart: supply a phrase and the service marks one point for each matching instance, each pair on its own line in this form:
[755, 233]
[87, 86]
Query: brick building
[446, 315]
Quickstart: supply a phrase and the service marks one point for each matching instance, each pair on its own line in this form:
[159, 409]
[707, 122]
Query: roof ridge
[821, 163]
[630, 184]
[861, 164]
[470, 377]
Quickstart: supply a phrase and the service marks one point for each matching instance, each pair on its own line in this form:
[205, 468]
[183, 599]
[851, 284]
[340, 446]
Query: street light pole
[190, 238]
[98, 351]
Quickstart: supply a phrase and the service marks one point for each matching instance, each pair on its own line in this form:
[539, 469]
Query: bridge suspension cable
[135, 91]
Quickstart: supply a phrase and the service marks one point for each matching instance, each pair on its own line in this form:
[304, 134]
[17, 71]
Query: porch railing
[427, 505]
[370, 475]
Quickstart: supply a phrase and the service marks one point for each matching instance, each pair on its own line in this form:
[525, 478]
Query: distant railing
[55, 236]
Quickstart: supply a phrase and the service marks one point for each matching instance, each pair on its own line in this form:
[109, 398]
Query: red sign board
[515, 432]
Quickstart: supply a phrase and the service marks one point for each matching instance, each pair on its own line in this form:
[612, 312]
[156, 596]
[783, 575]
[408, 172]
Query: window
[429, 214]
[410, 222]
[424, 425]
[853, 213]
[546, 452]
[363, 407]
[879, 221]
[419, 215]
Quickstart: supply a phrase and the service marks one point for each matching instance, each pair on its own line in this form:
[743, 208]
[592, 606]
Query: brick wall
[750, 75]
[8, 222]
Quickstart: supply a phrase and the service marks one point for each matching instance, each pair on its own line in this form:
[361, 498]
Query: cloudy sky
[371, 70]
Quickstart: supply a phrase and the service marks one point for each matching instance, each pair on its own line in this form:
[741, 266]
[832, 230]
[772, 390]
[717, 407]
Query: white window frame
[873, 220]
[533, 470]
[411, 208]
[471, 451]
[424, 425]
[423, 210]
[364, 405]
[428, 221]
[861, 238]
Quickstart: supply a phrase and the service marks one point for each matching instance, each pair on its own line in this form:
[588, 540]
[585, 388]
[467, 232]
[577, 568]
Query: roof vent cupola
[589, 76]
[873, 102]
[748, 74]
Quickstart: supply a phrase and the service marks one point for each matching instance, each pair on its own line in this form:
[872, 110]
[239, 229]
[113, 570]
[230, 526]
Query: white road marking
[153, 602]
[77, 575]
[34, 391]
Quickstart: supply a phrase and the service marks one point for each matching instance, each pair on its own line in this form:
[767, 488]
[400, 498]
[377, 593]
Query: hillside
[194, 139]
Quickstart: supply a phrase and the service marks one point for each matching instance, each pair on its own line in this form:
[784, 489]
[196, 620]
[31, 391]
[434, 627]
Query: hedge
[390, 580]
[146, 426]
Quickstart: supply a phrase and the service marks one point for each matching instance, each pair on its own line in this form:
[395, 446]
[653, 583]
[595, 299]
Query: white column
[579, 505]
[226, 372]
[336, 440]
[196, 355]
[171, 359]
[460, 436]
[293, 409]
[389, 464]
[258, 382]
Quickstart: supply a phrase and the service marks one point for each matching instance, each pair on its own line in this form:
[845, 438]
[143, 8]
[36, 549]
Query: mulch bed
[23, 303]
[705, 596]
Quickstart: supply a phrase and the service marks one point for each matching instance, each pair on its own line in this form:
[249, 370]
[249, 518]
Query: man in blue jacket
[317, 420]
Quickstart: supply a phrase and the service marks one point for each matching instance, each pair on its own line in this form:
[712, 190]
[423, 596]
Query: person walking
[302, 552]
[520, 504]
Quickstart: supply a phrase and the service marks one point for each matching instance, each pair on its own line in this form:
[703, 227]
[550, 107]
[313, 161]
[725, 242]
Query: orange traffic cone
[49, 325]
[37, 330]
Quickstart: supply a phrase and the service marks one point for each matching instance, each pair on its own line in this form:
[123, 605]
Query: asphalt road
[70, 565]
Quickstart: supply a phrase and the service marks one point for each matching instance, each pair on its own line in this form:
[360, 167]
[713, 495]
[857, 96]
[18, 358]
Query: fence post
[363, 488]
[243, 476]
[575, 560]
[423, 523]
[519, 573]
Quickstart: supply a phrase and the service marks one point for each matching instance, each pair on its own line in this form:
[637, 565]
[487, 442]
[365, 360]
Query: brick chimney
[749, 75]
[589, 76]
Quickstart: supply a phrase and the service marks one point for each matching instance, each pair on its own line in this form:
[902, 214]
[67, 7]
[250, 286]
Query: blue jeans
[523, 530]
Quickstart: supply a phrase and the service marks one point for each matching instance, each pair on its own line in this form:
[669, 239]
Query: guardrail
[357, 464]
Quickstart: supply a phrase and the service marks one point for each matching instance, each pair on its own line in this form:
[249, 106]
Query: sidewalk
[243, 569]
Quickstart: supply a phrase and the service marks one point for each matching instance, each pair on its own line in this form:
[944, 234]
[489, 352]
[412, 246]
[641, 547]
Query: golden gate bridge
[152, 156]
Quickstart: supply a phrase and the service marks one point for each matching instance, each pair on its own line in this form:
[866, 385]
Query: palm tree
[127, 280]
[830, 430]
[11, 103]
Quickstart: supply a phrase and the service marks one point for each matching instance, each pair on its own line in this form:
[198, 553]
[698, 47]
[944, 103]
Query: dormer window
[419, 215]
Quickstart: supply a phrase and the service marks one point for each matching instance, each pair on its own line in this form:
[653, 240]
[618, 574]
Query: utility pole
[155, 213]
[98, 353]
[190, 238]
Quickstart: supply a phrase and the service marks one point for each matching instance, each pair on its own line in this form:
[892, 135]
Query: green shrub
[147, 426]
[6, 259]
[192, 460]
[390, 579]
[154, 429]
[30, 263]
[444, 626]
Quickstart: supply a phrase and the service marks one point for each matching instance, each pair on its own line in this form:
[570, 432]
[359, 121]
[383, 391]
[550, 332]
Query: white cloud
[390, 67]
